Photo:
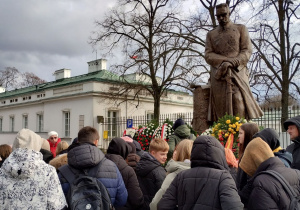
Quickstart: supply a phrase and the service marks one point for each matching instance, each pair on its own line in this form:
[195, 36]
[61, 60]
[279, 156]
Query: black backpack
[295, 199]
[86, 191]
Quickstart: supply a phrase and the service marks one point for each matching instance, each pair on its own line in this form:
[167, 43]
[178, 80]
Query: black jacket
[267, 192]
[151, 175]
[207, 185]
[294, 148]
[135, 198]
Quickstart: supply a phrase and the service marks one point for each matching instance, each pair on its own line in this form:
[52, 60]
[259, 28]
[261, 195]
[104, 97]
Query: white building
[70, 103]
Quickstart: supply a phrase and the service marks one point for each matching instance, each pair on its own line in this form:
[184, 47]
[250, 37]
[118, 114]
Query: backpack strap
[286, 186]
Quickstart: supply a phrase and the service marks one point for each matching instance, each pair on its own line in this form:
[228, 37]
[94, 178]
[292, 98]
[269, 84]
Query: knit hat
[132, 145]
[28, 139]
[178, 123]
[127, 139]
[51, 133]
[256, 152]
[45, 144]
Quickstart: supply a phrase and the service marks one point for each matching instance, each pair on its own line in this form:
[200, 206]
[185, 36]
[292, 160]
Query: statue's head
[222, 13]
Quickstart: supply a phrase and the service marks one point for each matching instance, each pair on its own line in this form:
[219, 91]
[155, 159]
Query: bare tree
[142, 30]
[30, 79]
[9, 78]
[276, 59]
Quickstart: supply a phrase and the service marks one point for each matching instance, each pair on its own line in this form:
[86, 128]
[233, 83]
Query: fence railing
[270, 119]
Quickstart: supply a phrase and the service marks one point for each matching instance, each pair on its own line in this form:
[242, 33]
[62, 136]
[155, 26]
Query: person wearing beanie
[33, 183]
[45, 150]
[117, 151]
[292, 126]
[271, 137]
[207, 184]
[181, 131]
[263, 191]
[53, 141]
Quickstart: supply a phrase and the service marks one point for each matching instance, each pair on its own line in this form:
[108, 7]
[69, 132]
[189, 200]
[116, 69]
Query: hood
[119, 147]
[285, 156]
[84, 155]
[137, 145]
[292, 121]
[256, 152]
[118, 160]
[146, 164]
[59, 161]
[28, 139]
[207, 151]
[270, 136]
[183, 131]
[22, 163]
[177, 166]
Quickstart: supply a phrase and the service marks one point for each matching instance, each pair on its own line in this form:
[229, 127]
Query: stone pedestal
[201, 102]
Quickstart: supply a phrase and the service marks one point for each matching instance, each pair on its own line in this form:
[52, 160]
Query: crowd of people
[37, 173]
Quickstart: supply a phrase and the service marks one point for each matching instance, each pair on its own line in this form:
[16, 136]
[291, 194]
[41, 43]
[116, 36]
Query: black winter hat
[270, 136]
[292, 121]
[178, 123]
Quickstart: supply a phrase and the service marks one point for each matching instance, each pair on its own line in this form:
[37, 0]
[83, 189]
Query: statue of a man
[228, 49]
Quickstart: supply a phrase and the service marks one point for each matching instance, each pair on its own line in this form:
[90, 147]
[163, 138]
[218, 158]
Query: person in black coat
[149, 170]
[207, 185]
[271, 137]
[292, 126]
[117, 152]
[263, 191]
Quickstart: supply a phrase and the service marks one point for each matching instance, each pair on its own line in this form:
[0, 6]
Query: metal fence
[270, 119]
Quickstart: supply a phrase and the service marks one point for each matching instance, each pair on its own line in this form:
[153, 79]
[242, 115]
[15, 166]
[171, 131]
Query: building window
[12, 123]
[40, 123]
[81, 121]
[25, 121]
[150, 116]
[112, 123]
[66, 123]
[1, 123]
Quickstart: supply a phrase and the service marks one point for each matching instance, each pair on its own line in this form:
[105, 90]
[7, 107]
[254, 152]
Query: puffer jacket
[135, 196]
[24, 176]
[150, 175]
[294, 148]
[207, 185]
[85, 156]
[267, 192]
[173, 168]
[180, 133]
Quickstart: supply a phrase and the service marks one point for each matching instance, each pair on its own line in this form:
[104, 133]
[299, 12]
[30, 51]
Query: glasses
[53, 137]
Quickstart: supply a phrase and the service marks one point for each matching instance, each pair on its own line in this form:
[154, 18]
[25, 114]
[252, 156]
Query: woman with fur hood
[26, 181]
[207, 185]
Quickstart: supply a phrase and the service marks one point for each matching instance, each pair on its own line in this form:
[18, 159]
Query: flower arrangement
[225, 127]
[145, 134]
[165, 130]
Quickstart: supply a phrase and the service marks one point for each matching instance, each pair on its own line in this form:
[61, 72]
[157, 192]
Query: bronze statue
[228, 49]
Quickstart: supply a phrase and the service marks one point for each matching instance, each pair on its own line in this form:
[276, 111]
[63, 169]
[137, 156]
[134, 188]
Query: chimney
[62, 73]
[97, 65]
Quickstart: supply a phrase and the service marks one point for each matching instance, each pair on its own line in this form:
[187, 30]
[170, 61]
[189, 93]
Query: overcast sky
[42, 36]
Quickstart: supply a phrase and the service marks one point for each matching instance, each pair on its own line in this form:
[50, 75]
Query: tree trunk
[156, 106]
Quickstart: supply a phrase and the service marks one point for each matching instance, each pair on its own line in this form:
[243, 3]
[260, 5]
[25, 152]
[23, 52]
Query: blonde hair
[61, 146]
[158, 144]
[183, 150]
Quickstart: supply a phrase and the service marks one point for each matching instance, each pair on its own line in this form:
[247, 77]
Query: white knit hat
[51, 133]
[27, 139]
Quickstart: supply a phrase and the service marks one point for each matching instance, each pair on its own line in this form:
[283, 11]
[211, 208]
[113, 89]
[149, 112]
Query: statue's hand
[222, 70]
[234, 61]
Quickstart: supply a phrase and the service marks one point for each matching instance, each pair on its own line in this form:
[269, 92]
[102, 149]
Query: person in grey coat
[207, 185]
